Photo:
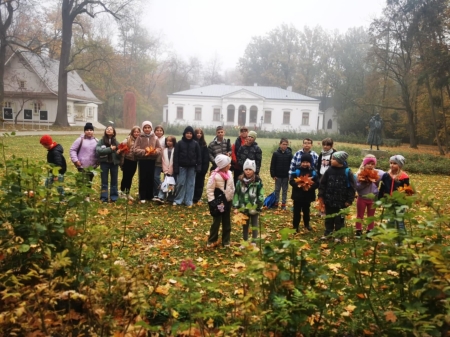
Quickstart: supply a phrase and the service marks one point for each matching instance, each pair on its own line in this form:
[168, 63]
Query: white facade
[31, 92]
[266, 108]
[328, 120]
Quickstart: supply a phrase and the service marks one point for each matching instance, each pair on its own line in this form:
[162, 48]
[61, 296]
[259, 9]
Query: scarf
[246, 182]
[327, 153]
[224, 175]
[168, 156]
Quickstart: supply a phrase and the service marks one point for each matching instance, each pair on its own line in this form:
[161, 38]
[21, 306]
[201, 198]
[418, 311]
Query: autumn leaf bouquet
[150, 150]
[368, 176]
[304, 182]
[123, 148]
[406, 189]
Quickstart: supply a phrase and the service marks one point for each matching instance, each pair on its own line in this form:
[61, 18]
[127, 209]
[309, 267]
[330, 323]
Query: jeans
[199, 184]
[157, 180]
[334, 223]
[361, 205]
[107, 169]
[185, 186]
[299, 207]
[254, 221]
[281, 183]
[226, 228]
[51, 178]
[146, 178]
[129, 169]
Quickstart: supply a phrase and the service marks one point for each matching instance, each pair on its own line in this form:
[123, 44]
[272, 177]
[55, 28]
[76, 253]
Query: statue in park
[375, 126]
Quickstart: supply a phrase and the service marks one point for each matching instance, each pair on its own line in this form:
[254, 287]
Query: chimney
[289, 88]
[255, 84]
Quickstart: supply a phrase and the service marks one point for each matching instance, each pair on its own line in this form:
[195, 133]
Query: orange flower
[123, 148]
[406, 189]
[368, 176]
[304, 182]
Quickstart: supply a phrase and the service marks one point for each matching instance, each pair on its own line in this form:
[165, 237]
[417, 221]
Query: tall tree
[71, 11]
[7, 9]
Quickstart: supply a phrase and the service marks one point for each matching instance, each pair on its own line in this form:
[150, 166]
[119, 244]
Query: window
[68, 109]
[90, 112]
[198, 114]
[286, 117]
[22, 84]
[36, 107]
[253, 114]
[179, 112]
[7, 104]
[330, 124]
[267, 117]
[216, 115]
[230, 113]
[305, 118]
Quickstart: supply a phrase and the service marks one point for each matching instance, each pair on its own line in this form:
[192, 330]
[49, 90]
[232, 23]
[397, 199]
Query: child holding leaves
[304, 182]
[249, 190]
[367, 180]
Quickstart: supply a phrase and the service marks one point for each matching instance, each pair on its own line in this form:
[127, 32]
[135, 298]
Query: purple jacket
[86, 155]
[366, 188]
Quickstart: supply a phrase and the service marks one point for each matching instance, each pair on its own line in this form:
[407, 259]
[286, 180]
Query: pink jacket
[167, 165]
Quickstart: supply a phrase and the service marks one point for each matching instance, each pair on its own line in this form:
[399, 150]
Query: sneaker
[143, 201]
[155, 199]
[368, 237]
[337, 240]
[227, 245]
[283, 207]
[324, 238]
[308, 228]
[174, 204]
[190, 206]
[122, 195]
[87, 199]
[358, 234]
[130, 198]
[160, 201]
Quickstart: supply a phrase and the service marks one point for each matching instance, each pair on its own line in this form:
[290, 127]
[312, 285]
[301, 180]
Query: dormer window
[22, 84]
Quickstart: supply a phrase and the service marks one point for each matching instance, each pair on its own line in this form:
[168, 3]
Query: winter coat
[55, 156]
[105, 154]
[254, 194]
[298, 193]
[144, 141]
[234, 150]
[296, 160]
[252, 152]
[130, 155]
[215, 148]
[280, 163]
[216, 181]
[389, 185]
[365, 188]
[86, 156]
[162, 143]
[205, 159]
[334, 189]
[167, 164]
[187, 154]
[323, 162]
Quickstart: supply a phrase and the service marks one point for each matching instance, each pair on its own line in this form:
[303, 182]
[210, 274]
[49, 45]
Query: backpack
[269, 201]
[347, 171]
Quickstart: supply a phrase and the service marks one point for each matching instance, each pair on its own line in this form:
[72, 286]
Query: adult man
[219, 145]
[375, 125]
[296, 160]
[240, 141]
[251, 151]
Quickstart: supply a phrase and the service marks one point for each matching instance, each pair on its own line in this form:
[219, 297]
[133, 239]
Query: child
[251, 151]
[129, 163]
[54, 156]
[303, 195]
[240, 141]
[186, 163]
[249, 189]
[159, 133]
[109, 164]
[219, 145]
[167, 164]
[323, 162]
[279, 171]
[221, 179]
[393, 179]
[336, 192]
[364, 187]
[200, 176]
[307, 146]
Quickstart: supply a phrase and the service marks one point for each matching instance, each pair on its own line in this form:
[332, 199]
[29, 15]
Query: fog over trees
[398, 66]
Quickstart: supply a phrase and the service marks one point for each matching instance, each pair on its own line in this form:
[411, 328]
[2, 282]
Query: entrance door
[242, 115]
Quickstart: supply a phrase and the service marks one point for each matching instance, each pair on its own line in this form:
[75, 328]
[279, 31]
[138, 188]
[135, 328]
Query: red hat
[46, 140]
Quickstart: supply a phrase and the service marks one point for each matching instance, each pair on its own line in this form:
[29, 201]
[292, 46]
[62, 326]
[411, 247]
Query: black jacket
[187, 154]
[252, 152]
[280, 163]
[205, 159]
[298, 193]
[334, 189]
[55, 156]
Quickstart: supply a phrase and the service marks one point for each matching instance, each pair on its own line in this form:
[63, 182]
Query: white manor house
[257, 107]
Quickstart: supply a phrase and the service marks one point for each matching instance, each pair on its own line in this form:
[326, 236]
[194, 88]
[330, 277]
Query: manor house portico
[267, 108]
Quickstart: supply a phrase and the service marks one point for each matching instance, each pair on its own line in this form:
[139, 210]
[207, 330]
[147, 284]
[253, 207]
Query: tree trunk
[433, 114]
[444, 120]
[3, 46]
[66, 43]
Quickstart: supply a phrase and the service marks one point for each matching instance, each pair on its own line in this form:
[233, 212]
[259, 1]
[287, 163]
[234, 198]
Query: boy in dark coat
[337, 191]
[279, 171]
[251, 151]
[54, 156]
[303, 195]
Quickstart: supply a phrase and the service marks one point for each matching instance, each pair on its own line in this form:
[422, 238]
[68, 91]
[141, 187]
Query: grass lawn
[157, 238]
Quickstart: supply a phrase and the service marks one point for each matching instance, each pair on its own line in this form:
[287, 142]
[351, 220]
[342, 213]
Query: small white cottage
[266, 108]
[31, 91]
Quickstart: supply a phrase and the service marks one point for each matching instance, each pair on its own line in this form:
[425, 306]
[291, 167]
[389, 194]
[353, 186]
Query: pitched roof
[47, 70]
[220, 90]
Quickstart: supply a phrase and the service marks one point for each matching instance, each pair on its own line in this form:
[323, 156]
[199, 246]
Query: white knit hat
[250, 164]
[222, 161]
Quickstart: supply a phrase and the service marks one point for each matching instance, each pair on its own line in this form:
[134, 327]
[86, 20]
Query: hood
[58, 148]
[288, 150]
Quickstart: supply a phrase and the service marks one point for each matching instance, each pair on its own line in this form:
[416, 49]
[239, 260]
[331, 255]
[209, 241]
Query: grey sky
[204, 27]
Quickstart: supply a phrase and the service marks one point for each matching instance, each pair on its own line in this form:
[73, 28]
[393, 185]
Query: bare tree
[70, 11]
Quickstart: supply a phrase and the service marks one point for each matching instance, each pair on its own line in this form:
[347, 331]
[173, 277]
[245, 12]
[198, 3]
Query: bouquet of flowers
[123, 148]
[368, 176]
[304, 182]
